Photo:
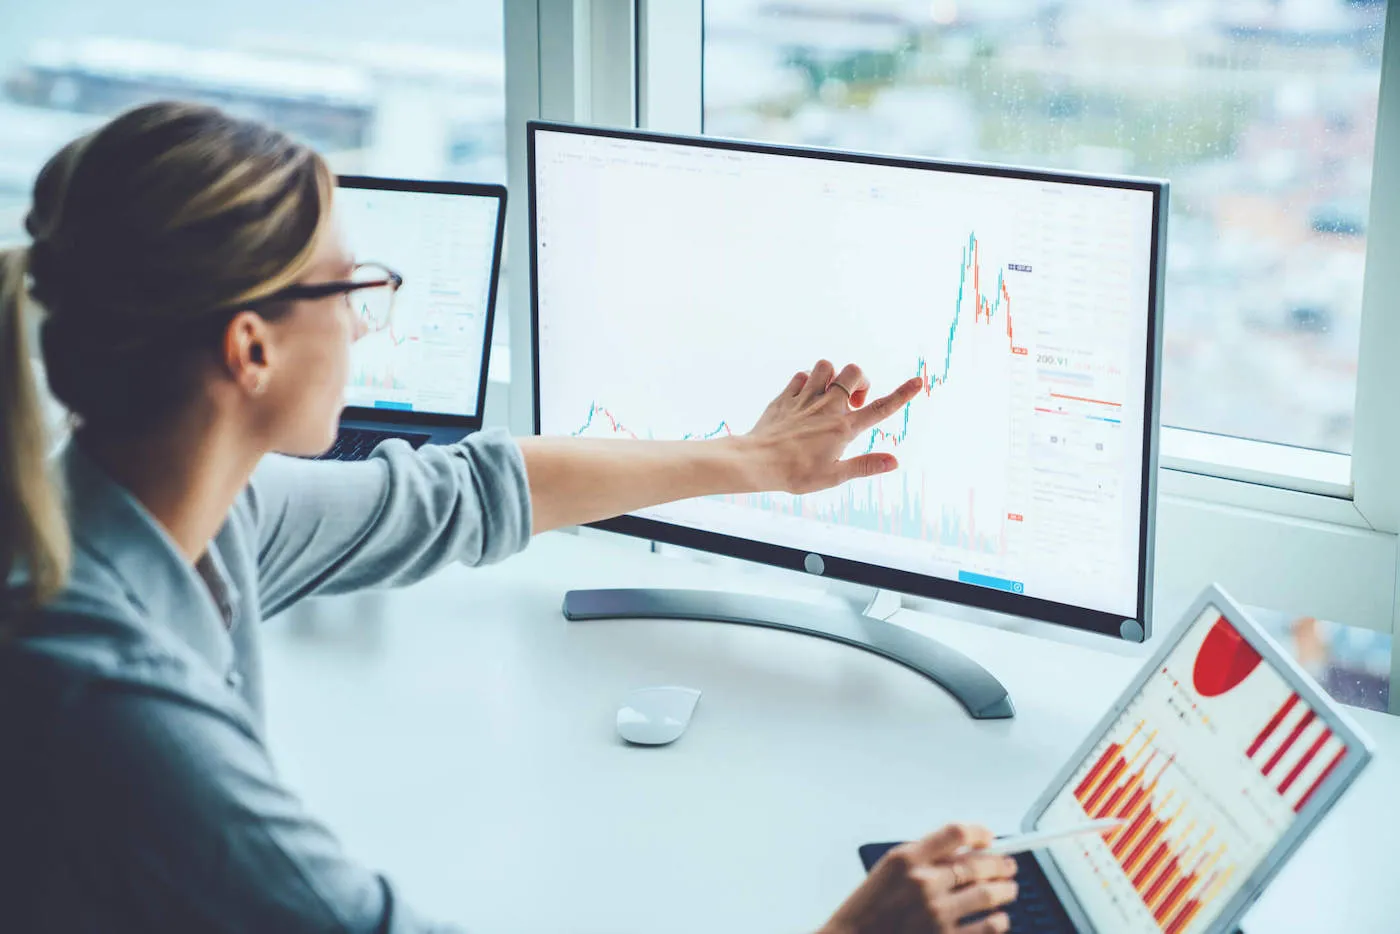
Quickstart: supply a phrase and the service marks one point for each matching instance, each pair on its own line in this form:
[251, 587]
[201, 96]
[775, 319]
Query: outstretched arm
[325, 528]
[795, 447]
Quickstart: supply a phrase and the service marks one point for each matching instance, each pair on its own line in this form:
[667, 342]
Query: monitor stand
[971, 685]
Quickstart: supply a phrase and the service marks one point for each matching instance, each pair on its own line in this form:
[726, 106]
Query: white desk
[459, 736]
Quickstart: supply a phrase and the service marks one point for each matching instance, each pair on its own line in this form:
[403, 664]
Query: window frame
[1306, 531]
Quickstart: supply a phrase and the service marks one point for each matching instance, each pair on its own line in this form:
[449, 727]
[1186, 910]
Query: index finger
[942, 844]
[977, 868]
[876, 412]
[958, 872]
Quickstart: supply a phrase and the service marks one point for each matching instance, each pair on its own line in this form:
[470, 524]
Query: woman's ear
[246, 343]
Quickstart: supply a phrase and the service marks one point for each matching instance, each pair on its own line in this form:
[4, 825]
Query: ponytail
[34, 544]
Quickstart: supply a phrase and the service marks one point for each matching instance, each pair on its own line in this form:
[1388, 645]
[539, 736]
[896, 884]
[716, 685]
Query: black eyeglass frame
[322, 289]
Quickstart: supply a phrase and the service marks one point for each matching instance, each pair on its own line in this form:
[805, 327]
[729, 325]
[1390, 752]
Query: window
[1262, 113]
[1351, 664]
[417, 91]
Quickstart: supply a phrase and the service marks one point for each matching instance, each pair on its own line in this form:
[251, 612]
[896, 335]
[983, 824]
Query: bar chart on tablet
[1208, 765]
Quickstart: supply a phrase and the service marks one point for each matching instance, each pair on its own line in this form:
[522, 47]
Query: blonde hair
[145, 235]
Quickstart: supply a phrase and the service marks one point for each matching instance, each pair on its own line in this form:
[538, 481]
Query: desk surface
[459, 736]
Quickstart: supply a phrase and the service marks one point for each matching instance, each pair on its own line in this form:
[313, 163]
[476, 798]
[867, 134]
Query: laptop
[421, 374]
[1221, 756]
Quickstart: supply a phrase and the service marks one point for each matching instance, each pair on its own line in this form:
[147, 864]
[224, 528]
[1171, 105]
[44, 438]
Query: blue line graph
[618, 428]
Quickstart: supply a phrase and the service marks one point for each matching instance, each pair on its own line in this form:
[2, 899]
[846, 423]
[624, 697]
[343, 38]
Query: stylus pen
[1021, 843]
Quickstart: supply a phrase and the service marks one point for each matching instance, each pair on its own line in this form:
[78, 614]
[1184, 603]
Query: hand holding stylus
[930, 886]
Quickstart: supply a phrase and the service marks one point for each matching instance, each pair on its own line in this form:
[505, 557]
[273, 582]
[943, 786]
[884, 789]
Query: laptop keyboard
[355, 444]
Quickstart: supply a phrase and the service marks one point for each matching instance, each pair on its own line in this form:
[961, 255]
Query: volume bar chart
[893, 507]
[1173, 861]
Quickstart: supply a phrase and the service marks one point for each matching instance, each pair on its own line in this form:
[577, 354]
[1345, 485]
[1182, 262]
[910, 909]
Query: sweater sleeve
[327, 527]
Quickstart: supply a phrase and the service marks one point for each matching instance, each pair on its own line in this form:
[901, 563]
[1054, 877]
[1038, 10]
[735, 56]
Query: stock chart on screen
[680, 287]
[427, 356]
[1209, 766]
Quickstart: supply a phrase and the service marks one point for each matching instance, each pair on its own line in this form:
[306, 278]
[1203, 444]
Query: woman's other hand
[930, 887]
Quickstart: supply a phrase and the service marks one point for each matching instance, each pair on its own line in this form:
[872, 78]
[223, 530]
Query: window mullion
[1376, 453]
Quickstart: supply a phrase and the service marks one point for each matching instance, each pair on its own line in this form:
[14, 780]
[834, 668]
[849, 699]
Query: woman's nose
[358, 328]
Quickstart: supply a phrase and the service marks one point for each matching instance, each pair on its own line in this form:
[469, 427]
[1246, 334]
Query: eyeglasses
[370, 291]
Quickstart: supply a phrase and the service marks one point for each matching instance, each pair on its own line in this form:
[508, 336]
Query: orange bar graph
[1102, 766]
[1142, 840]
[1138, 825]
[1193, 907]
[1173, 867]
[1144, 849]
[1157, 888]
[1174, 898]
[1126, 791]
[1148, 881]
[1136, 812]
[1161, 889]
[1180, 921]
[1091, 804]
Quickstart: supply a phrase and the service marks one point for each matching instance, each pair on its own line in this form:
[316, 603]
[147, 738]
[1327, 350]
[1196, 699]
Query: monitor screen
[1210, 764]
[679, 283]
[431, 355]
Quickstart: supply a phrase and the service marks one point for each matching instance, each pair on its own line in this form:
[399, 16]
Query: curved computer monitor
[679, 282]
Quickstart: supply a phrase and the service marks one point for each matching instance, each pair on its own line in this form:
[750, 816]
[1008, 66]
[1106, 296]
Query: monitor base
[971, 685]
[875, 602]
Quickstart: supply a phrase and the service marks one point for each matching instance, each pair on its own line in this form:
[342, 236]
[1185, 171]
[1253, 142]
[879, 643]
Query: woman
[195, 290]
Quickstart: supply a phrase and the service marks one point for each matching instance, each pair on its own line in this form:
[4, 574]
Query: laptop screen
[430, 355]
[1210, 764]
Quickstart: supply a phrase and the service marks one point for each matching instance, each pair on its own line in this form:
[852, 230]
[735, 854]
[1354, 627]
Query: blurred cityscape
[423, 102]
[1351, 664]
[1262, 114]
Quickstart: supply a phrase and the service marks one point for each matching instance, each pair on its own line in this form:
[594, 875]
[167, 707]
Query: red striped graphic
[1308, 756]
[1308, 718]
[1302, 802]
[1272, 725]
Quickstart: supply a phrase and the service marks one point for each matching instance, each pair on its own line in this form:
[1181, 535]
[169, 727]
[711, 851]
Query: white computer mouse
[656, 716]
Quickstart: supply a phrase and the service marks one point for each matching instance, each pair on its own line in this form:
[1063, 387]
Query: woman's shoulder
[58, 654]
[65, 661]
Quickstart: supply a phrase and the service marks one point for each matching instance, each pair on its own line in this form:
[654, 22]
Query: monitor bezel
[1360, 751]
[1137, 628]
[473, 421]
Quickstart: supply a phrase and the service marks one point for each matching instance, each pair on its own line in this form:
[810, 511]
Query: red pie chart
[1224, 661]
